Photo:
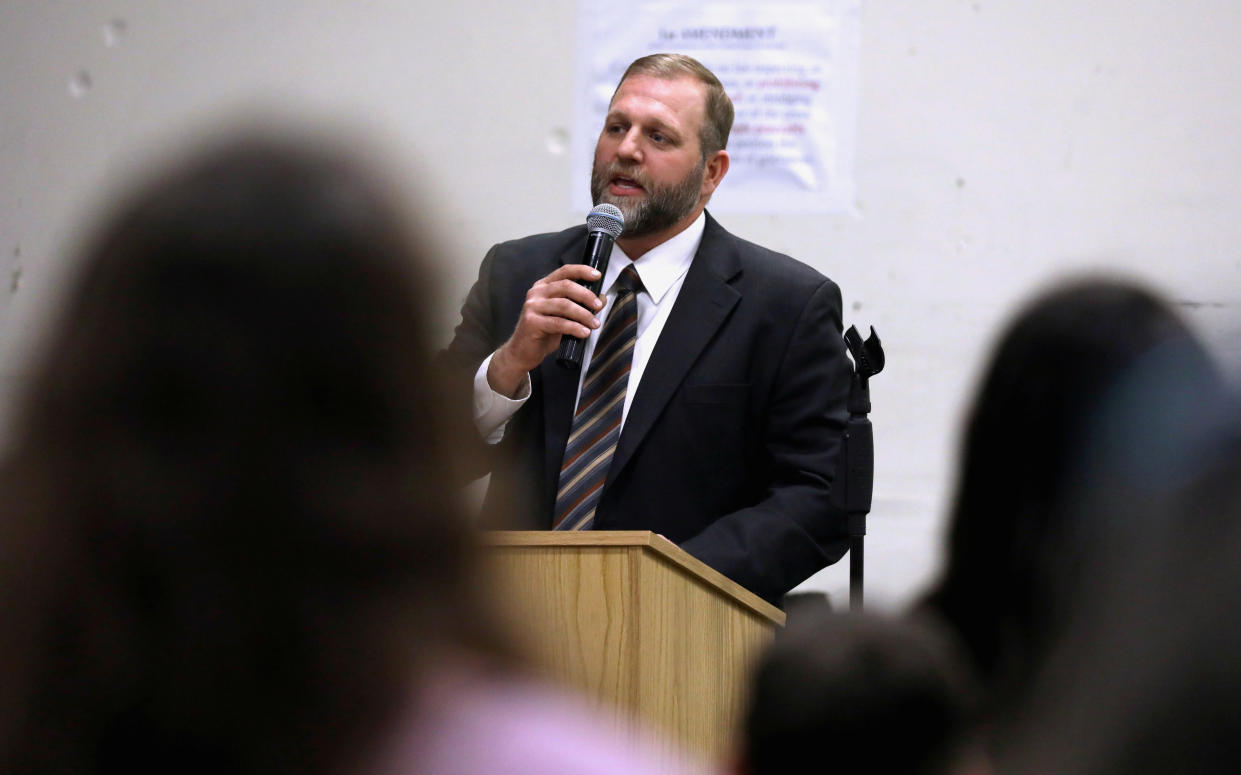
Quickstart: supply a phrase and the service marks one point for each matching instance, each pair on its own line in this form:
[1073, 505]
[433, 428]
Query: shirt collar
[661, 266]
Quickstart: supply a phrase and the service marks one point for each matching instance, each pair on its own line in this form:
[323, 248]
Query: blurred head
[1146, 681]
[857, 693]
[233, 461]
[1019, 532]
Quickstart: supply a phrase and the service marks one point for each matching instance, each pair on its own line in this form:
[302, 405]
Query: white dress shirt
[662, 270]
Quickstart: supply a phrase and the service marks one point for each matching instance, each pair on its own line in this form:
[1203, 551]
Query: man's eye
[659, 137]
[615, 129]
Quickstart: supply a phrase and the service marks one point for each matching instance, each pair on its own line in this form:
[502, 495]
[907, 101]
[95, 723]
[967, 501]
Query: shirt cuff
[493, 410]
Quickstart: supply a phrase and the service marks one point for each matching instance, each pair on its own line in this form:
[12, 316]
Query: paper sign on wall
[790, 69]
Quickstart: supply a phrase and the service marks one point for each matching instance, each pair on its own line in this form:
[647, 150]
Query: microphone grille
[606, 218]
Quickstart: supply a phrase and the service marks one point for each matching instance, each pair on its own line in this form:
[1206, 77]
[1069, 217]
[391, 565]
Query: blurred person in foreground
[1084, 365]
[860, 693]
[229, 539]
[1148, 679]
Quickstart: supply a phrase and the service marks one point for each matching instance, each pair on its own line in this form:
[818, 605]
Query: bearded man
[715, 409]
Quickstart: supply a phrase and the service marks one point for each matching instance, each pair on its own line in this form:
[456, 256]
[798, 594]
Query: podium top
[657, 544]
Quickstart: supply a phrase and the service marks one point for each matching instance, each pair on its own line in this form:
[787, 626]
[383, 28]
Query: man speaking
[711, 399]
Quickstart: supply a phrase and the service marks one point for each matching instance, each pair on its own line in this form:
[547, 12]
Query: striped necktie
[597, 422]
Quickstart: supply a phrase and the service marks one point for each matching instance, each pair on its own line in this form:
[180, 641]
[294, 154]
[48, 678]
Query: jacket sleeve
[474, 338]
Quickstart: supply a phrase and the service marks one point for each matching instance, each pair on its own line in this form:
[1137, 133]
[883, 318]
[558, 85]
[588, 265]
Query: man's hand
[556, 305]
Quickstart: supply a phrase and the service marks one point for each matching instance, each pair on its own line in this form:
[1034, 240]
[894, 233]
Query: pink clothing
[486, 726]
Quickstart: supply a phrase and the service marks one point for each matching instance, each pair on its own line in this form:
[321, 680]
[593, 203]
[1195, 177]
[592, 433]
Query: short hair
[719, 108]
[833, 687]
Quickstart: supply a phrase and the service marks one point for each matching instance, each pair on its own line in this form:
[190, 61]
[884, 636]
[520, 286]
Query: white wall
[1001, 143]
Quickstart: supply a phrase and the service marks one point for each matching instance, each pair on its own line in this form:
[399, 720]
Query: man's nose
[630, 145]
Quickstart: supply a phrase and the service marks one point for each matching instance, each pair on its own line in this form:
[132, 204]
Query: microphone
[603, 225]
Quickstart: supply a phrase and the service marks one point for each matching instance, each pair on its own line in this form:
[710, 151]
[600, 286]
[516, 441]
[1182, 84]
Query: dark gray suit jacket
[729, 448]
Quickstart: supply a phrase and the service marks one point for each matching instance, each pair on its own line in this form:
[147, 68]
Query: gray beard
[660, 209]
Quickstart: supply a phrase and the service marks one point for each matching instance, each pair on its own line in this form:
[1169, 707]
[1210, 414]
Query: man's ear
[714, 171]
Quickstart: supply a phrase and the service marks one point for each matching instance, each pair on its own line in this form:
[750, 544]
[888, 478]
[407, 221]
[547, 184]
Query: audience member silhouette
[229, 543]
[1087, 364]
[1147, 679]
[859, 694]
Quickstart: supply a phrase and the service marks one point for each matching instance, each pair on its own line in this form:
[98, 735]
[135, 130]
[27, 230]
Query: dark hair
[1147, 679]
[718, 108]
[861, 693]
[1016, 540]
[233, 461]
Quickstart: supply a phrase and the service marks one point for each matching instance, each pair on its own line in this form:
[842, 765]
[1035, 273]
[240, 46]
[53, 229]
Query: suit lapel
[703, 304]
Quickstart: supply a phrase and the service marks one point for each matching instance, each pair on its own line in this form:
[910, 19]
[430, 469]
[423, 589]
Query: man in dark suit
[735, 403]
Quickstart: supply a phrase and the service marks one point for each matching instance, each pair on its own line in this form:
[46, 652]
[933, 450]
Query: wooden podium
[644, 629]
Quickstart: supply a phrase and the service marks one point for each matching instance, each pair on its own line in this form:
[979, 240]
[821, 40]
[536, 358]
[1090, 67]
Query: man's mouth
[623, 186]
